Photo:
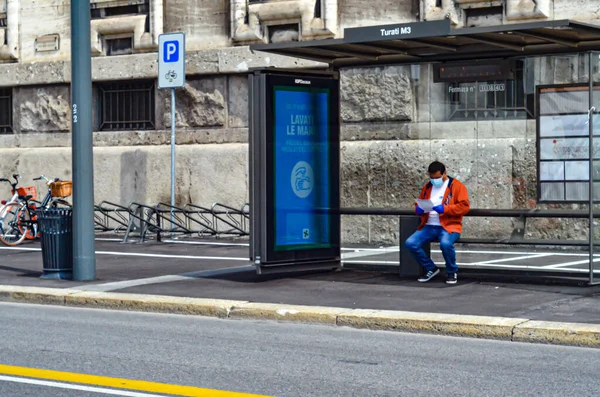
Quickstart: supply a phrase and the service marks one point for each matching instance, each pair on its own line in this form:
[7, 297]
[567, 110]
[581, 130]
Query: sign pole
[84, 259]
[171, 74]
[172, 162]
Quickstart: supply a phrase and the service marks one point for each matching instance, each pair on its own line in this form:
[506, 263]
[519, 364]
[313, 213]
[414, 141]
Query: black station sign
[398, 31]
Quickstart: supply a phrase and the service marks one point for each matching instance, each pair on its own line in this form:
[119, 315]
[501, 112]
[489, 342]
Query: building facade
[395, 119]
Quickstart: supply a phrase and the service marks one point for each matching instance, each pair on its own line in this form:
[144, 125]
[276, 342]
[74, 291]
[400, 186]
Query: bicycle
[19, 221]
[10, 208]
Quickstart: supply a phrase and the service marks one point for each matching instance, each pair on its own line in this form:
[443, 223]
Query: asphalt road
[279, 359]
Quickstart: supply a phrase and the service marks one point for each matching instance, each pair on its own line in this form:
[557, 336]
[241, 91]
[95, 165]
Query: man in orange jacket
[444, 223]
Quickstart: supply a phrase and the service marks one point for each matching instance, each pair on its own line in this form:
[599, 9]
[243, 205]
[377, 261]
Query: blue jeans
[430, 234]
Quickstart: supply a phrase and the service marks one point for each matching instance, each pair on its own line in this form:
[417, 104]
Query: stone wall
[354, 13]
[394, 118]
[205, 173]
[204, 22]
[42, 109]
[390, 133]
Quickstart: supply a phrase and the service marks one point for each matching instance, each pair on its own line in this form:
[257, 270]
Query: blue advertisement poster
[301, 167]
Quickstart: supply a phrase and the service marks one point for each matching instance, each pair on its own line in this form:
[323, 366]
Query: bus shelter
[513, 110]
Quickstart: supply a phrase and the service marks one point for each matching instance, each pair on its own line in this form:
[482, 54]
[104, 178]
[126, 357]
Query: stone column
[240, 31]
[157, 15]
[12, 35]
[330, 16]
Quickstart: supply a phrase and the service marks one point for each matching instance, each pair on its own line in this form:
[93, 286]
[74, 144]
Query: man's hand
[439, 209]
[420, 210]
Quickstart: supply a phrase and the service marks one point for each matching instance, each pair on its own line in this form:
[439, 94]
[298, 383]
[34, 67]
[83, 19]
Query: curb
[501, 328]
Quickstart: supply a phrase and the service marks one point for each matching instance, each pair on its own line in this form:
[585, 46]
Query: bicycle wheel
[14, 225]
[32, 232]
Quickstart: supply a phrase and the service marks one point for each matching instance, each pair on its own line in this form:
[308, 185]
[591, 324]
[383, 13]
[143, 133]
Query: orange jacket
[456, 205]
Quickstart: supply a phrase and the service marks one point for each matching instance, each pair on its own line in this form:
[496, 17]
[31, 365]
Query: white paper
[426, 205]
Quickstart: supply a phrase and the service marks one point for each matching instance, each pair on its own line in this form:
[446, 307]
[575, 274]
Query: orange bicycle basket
[61, 189]
[27, 191]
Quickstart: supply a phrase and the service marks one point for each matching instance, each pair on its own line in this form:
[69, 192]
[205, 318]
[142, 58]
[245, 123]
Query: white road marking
[182, 242]
[117, 285]
[20, 249]
[566, 264]
[395, 264]
[517, 258]
[218, 258]
[70, 386]
[207, 243]
[361, 254]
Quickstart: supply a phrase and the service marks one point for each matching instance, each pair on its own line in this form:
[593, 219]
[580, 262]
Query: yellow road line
[118, 383]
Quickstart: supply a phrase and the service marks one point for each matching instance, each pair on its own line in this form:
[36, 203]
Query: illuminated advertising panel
[300, 180]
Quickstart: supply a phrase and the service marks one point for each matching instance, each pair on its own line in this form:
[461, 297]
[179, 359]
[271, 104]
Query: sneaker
[451, 278]
[430, 274]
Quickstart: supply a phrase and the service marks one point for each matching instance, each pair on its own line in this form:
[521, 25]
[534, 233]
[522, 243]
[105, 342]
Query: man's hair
[435, 167]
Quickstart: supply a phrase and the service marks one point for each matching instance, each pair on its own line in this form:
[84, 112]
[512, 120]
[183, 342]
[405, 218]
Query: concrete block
[587, 335]
[444, 324]
[279, 312]
[237, 101]
[37, 295]
[153, 303]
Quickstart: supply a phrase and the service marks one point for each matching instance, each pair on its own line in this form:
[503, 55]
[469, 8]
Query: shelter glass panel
[397, 119]
[594, 119]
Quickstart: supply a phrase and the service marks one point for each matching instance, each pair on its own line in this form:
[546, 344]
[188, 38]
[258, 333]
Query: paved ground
[280, 359]
[220, 269]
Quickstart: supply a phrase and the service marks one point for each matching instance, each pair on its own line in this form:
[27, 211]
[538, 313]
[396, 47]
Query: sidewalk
[223, 272]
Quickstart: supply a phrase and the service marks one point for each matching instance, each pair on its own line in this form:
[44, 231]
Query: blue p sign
[171, 51]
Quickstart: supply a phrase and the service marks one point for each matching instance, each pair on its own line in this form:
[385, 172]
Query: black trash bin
[56, 232]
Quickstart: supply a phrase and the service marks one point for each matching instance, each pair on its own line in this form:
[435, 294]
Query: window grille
[6, 111]
[490, 100]
[127, 106]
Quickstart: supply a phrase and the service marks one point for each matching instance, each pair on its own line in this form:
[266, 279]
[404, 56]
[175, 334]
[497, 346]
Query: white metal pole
[172, 162]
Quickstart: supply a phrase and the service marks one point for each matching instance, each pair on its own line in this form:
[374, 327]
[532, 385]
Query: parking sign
[171, 60]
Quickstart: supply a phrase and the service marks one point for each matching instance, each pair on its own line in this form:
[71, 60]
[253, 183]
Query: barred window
[104, 10]
[127, 106]
[490, 100]
[6, 111]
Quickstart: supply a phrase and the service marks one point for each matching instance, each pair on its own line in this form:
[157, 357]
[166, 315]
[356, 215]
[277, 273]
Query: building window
[118, 8]
[484, 92]
[126, 106]
[6, 111]
[118, 46]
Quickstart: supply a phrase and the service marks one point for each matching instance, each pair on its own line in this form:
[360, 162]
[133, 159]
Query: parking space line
[114, 383]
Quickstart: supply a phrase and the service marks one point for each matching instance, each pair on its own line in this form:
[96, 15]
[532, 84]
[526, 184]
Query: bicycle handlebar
[48, 181]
